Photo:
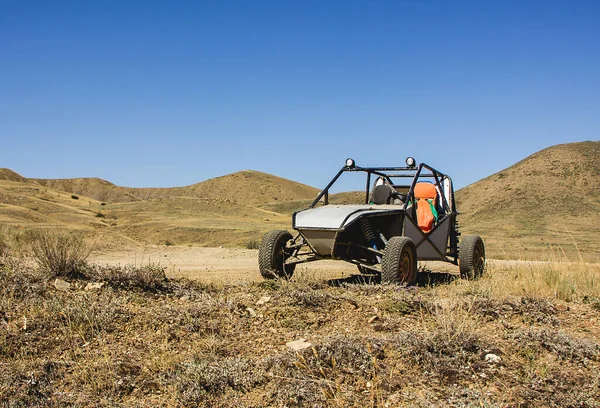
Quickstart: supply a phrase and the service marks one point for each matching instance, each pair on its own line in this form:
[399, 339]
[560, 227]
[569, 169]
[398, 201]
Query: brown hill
[244, 187]
[546, 205]
[9, 175]
[92, 187]
[175, 215]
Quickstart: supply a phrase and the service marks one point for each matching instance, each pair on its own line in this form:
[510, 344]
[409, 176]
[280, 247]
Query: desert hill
[547, 204]
[220, 211]
[24, 203]
[9, 175]
[92, 187]
[246, 187]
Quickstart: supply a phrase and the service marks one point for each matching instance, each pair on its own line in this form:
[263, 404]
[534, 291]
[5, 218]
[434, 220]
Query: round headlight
[410, 162]
[350, 162]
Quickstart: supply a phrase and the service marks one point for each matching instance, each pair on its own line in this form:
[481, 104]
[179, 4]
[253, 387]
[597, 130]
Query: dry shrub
[85, 316]
[60, 252]
[313, 376]
[559, 343]
[532, 310]
[309, 298]
[18, 279]
[440, 355]
[150, 277]
[14, 241]
[252, 244]
[202, 378]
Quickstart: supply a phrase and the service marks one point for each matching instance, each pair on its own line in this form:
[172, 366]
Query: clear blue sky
[170, 93]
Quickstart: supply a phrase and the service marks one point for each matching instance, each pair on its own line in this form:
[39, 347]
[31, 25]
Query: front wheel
[272, 255]
[471, 257]
[399, 263]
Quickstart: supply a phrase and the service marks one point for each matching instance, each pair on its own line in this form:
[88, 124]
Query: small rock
[492, 358]
[251, 312]
[561, 308]
[373, 318]
[298, 345]
[93, 286]
[263, 300]
[60, 284]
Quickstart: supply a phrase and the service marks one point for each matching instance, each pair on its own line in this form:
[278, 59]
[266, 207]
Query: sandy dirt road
[212, 264]
[234, 265]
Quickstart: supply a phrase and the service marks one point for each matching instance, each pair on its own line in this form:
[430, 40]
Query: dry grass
[144, 340]
[60, 252]
[565, 281]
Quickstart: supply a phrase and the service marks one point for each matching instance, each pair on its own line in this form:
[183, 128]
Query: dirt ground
[226, 265]
[230, 265]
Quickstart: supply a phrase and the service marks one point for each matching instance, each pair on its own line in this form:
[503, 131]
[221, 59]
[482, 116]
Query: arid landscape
[546, 207]
[118, 296]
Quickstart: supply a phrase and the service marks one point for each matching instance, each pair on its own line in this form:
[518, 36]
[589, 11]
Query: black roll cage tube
[415, 173]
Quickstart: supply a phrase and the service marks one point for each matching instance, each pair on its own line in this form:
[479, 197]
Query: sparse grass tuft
[150, 277]
[252, 244]
[60, 252]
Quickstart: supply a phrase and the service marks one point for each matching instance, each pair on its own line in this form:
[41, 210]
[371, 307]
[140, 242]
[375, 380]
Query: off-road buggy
[408, 214]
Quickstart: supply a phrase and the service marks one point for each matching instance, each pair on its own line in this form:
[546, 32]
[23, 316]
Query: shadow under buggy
[409, 214]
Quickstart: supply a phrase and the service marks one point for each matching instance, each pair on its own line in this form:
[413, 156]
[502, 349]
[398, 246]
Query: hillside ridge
[544, 206]
[246, 186]
[550, 198]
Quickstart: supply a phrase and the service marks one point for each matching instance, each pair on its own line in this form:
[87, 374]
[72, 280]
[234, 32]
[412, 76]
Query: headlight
[350, 162]
[410, 162]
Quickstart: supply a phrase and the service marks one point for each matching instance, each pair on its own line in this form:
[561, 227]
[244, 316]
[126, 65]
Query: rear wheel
[272, 255]
[471, 259]
[399, 263]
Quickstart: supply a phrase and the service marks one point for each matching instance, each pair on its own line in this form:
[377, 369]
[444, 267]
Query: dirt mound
[9, 175]
[550, 199]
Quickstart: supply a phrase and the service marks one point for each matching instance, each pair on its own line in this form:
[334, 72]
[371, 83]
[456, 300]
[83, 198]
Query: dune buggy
[408, 214]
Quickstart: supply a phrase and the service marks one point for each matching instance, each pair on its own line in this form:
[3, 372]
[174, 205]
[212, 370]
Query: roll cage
[446, 228]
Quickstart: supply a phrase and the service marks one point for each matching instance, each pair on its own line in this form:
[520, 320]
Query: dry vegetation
[128, 336]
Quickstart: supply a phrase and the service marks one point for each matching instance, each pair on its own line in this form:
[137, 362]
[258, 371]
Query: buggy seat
[426, 198]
